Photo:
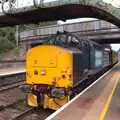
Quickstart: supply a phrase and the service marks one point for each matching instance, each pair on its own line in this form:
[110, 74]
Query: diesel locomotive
[54, 70]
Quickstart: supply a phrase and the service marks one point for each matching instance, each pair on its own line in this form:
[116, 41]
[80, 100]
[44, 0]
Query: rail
[11, 61]
[12, 86]
[23, 114]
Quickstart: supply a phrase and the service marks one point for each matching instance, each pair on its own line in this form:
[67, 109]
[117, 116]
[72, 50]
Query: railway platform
[10, 71]
[100, 101]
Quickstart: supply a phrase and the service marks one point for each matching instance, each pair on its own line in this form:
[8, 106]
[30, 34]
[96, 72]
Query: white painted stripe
[10, 73]
[72, 100]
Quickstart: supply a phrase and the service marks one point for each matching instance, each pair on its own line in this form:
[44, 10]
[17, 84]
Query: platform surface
[113, 112]
[8, 71]
[101, 101]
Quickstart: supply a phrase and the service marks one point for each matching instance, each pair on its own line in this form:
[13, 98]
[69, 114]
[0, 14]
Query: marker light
[53, 80]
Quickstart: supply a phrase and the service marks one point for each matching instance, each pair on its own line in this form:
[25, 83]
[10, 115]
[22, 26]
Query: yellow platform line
[105, 109]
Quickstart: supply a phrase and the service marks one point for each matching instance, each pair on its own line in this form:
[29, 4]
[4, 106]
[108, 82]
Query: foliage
[7, 39]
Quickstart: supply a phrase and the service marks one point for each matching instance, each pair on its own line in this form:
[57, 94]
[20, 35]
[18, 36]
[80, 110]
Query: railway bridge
[30, 11]
[98, 30]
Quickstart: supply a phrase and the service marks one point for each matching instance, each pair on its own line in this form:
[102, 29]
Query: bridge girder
[62, 9]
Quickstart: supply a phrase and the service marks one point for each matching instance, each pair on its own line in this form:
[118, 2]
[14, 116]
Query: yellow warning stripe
[102, 116]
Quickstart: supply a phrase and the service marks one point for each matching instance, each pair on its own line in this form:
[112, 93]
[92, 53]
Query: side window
[98, 58]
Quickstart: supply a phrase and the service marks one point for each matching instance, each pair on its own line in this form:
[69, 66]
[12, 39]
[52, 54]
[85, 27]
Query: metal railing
[96, 27]
[12, 61]
[13, 5]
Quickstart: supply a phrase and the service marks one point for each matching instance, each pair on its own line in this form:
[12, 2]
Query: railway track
[11, 61]
[23, 114]
[19, 111]
[8, 87]
[33, 114]
[13, 104]
[11, 81]
[13, 109]
[13, 78]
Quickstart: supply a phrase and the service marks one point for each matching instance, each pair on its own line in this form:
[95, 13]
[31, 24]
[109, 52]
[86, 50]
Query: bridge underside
[55, 13]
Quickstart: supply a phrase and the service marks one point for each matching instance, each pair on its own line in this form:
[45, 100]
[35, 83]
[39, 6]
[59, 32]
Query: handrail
[49, 26]
[92, 30]
[11, 61]
[81, 34]
[11, 2]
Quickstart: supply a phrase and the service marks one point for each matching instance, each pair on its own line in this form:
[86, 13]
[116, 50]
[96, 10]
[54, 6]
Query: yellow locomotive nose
[49, 65]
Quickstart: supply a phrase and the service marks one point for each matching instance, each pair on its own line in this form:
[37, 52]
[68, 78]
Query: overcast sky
[115, 47]
[115, 3]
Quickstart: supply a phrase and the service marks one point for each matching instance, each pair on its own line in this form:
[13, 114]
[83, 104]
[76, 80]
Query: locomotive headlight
[43, 72]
